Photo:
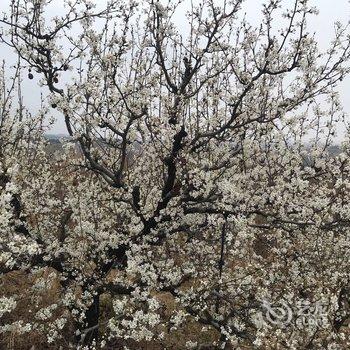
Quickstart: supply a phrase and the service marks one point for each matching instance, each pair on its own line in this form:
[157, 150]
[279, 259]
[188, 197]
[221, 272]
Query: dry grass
[15, 283]
[18, 282]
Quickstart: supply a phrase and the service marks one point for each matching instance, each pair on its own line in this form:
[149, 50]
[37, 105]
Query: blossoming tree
[202, 187]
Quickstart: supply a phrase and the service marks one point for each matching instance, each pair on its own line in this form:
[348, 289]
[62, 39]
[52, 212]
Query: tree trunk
[92, 319]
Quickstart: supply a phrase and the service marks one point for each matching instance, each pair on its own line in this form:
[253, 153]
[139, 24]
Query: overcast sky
[323, 25]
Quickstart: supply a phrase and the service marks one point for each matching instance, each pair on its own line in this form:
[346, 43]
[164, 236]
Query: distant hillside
[56, 144]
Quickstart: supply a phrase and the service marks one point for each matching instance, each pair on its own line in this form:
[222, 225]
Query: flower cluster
[200, 177]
